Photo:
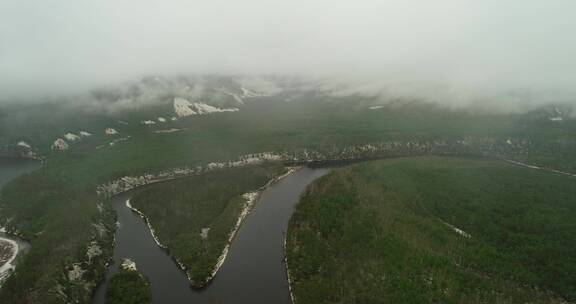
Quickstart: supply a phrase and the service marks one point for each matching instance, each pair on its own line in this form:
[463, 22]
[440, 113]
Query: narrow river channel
[254, 270]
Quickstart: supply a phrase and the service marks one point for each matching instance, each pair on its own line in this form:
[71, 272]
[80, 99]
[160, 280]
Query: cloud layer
[63, 45]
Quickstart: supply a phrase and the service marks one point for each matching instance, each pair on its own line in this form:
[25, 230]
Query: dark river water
[254, 270]
[11, 168]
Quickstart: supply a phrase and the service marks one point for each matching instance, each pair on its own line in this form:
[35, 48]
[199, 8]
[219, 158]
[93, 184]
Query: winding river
[254, 270]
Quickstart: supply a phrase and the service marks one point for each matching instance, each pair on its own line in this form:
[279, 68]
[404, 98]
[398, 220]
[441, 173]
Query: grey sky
[66, 44]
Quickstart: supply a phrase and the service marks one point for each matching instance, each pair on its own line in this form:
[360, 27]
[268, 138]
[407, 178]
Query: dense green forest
[69, 228]
[128, 287]
[435, 230]
[57, 209]
[179, 211]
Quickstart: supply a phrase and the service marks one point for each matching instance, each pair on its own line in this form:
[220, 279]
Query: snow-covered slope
[202, 108]
[557, 116]
[71, 137]
[110, 131]
[183, 108]
[247, 93]
[24, 145]
[60, 145]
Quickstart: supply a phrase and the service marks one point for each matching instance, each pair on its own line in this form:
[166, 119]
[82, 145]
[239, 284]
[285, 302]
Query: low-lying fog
[454, 51]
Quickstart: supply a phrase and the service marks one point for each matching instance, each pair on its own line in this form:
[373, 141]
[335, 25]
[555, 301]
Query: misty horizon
[469, 49]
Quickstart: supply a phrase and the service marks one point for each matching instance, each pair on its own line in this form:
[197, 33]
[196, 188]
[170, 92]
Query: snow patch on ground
[457, 230]
[204, 233]
[183, 108]
[168, 131]
[539, 168]
[557, 118]
[85, 134]
[250, 197]
[110, 131]
[24, 144]
[114, 142]
[60, 145]
[202, 108]
[93, 250]
[129, 265]
[148, 122]
[71, 137]
[522, 164]
[100, 229]
[375, 107]
[76, 273]
[161, 119]
[8, 267]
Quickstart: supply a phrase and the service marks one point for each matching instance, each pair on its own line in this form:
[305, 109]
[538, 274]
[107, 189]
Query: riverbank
[249, 200]
[288, 276]
[143, 216]
[8, 252]
[11, 242]
[255, 254]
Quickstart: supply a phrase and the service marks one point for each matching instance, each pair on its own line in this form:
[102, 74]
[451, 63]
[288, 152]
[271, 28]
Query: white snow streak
[6, 269]
[110, 131]
[71, 137]
[24, 144]
[183, 108]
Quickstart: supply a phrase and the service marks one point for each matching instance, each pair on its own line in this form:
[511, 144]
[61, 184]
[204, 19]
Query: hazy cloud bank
[455, 51]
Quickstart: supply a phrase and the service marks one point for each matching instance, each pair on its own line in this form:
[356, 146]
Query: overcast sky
[68, 44]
